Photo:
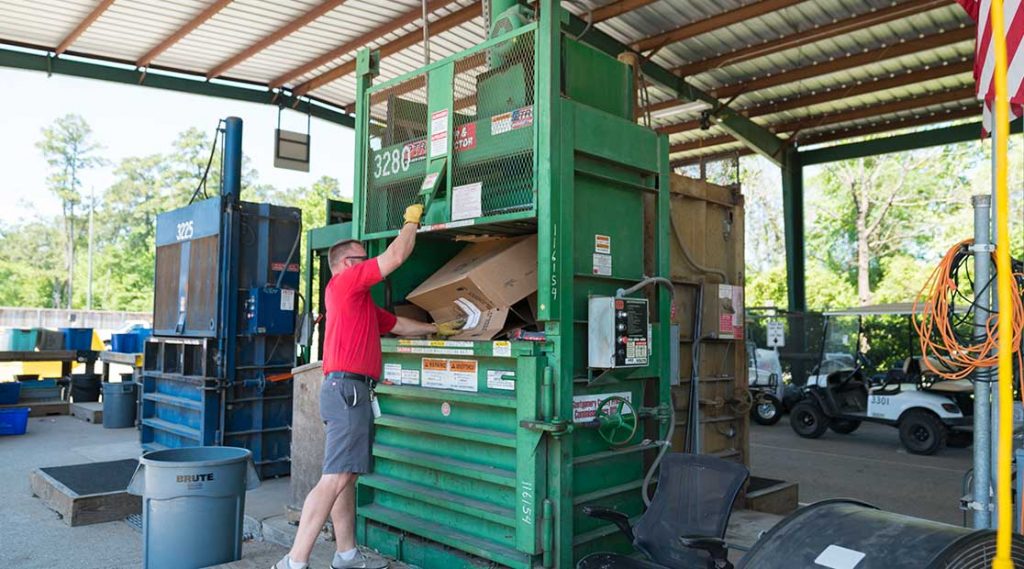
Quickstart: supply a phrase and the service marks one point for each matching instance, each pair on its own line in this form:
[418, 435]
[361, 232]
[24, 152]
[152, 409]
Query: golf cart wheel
[844, 426]
[808, 420]
[766, 410]
[959, 439]
[922, 432]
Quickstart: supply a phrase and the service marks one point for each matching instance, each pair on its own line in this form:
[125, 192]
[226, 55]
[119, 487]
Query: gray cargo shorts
[348, 424]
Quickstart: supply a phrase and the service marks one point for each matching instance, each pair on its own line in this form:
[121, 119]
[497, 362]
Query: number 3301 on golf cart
[879, 400]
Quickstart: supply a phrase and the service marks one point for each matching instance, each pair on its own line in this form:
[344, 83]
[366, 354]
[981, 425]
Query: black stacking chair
[684, 527]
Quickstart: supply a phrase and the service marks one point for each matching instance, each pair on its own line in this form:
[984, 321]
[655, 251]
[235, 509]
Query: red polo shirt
[354, 323]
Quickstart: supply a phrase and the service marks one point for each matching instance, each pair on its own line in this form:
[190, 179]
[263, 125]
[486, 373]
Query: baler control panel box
[270, 310]
[618, 332]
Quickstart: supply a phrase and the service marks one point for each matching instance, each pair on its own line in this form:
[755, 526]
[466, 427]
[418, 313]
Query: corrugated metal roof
[129, 29]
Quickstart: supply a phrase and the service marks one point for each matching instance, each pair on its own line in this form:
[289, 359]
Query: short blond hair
[339, 250]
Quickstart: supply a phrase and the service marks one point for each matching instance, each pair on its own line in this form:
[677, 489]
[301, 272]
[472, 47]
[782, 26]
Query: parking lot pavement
[868, 465]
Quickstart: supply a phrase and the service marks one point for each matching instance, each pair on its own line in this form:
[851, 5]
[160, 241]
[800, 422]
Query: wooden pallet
[42, 408]
[88, 412]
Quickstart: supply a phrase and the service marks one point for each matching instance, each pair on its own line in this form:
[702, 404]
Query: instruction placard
[459, 375]
[501, 349]
[287, 299]
[393, 373]
[463, 375]
[428, 181]
[500, 379]
[410, 377]
[584, 407]
[435, 373]
[439, 133]
[602, 265]
[466, 201]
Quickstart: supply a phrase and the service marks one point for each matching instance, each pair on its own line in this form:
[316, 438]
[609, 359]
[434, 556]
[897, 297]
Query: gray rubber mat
[95, 477]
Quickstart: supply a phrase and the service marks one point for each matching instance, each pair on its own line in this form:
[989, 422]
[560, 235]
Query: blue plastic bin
[39, 390]
[14, 421]
[77, 339]
[128, 343]
[10, 391]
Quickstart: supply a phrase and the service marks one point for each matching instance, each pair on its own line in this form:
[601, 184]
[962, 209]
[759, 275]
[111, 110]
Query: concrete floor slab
[39, 539]
[868, 464]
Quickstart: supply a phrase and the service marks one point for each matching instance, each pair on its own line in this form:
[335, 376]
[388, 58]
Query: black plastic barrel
[85, 387]
[847, 533]
[193, 502]
[120, 404]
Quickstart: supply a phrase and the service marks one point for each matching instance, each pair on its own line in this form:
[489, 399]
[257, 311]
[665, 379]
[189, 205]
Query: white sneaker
[283, 564]
[361, 561]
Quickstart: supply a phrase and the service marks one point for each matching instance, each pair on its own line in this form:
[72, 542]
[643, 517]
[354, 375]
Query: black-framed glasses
[357, 257]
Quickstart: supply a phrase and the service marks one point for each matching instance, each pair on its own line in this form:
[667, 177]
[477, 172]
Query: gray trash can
[120, 404]
[193, 501]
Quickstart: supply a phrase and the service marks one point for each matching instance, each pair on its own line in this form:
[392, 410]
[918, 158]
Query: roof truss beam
[848, 115]
[125, 74]
[279, 34]
[375, 34]
[617, 8]
[874, 18]
[899, 143]
[183, 31]
[925, 43]
[94, 15]
[908, 77]
[845, 133]
[715, 22]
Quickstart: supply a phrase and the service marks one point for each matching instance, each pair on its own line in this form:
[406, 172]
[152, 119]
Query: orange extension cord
[939, 342]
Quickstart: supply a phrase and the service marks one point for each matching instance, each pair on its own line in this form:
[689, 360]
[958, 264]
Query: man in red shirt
[351, 363]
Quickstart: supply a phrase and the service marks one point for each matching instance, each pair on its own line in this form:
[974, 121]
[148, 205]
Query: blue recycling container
[10, 391]
[127, 343]
[14, 421]
[79, 339]
[193, 502]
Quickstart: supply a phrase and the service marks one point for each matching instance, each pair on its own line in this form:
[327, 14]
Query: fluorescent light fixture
[681, 109]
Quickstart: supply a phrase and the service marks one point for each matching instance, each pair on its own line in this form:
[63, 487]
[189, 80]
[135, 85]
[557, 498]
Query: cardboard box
[481, 284]
[412, 312]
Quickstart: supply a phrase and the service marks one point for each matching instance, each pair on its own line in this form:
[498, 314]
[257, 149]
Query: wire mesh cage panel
[396, 153]
[493, 127]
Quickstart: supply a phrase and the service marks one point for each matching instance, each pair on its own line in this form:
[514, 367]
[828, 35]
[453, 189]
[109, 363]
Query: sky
[131, 120]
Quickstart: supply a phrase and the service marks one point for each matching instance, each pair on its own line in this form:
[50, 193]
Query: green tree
[873, 207]
[69, 149]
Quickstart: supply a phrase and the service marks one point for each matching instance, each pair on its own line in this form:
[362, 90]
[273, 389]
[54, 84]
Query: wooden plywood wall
[707, 220]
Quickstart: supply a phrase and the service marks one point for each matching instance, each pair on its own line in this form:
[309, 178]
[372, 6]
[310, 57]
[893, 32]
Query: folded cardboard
[480, 284]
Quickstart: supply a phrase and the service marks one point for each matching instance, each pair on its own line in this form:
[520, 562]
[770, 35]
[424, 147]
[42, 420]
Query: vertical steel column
[553, 171]
[793, 214]
[982, 389]
[231, 188]
[367, 67]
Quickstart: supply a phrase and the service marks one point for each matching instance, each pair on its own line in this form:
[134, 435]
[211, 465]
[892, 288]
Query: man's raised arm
[402, 246]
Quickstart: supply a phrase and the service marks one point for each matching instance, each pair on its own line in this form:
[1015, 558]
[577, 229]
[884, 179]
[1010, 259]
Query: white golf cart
[764, 376]
[930, 413]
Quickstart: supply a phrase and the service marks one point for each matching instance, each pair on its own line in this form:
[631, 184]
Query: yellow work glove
[450, 328]
[413, 213]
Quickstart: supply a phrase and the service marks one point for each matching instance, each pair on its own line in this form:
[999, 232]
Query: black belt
[348, 375]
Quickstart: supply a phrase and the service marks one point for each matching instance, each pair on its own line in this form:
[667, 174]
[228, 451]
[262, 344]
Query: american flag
[984, 56]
